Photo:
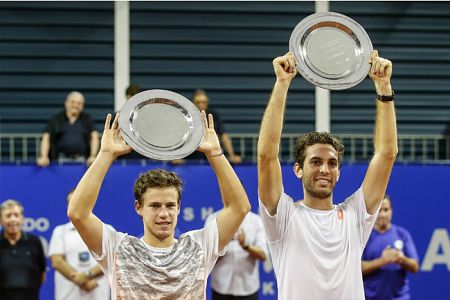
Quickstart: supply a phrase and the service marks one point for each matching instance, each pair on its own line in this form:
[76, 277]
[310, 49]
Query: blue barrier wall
[420, 194]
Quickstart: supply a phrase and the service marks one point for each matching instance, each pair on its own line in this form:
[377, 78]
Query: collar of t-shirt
[158, 249]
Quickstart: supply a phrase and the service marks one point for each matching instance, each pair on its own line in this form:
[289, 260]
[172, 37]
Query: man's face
[385, 215]
[74, 105]
[159, 211]
[12, 220]
[320, 171]
[201, 101]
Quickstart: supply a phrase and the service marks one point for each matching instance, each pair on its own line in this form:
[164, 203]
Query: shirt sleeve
[208, 237]
[56, 245]
[365, 221]
[275, 226]
[110, 241]
[409, 247]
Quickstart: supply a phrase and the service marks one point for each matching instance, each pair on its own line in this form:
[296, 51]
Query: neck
[381, 228]
[318, 203]
[72, 118]
[158, 243]
[12, 237]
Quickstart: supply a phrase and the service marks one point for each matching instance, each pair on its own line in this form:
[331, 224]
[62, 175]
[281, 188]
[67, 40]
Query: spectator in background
[201, 100]
[132, 90]
[77, 276]
[22, 258]
[70, 135]
[236, 274]
[389, 254]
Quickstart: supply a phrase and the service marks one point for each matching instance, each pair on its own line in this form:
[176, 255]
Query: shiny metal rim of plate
[161, 125]
[332, 50]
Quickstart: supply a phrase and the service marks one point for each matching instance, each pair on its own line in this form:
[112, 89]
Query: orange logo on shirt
[340, 214]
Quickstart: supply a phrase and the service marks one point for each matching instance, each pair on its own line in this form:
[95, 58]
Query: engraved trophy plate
[332, 50]
[161, 125]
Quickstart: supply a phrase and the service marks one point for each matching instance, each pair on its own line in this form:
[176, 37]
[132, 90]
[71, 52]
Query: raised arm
[385, 137]
[269, 169]
[85, 195]
[234, 197]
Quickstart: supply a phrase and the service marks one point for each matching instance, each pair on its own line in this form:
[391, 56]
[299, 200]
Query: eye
[333, 164]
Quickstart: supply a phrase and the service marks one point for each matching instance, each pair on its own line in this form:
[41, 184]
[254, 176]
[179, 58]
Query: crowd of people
[319, 249]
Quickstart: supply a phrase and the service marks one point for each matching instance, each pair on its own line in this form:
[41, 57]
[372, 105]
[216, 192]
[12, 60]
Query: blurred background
[48, 49]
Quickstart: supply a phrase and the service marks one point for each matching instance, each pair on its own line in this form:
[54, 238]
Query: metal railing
[24, 147]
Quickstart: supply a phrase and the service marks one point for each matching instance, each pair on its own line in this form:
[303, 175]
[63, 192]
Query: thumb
[373, 55]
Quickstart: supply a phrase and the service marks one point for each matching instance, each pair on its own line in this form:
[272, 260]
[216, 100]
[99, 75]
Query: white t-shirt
[317, 254]
[66, 241]
[237, 273]
[138, 271]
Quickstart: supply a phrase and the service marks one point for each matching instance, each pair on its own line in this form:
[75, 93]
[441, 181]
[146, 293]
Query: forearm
[64, 268]
[410, 264]
[386, 124]
[85, 195]
[45, 145]
[256, 252]
[370, 266]
[227, 144]
[272, 122]
[94, 143]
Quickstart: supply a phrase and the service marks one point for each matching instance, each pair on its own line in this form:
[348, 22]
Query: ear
[137, 208]
[298, 170]
[338, 174]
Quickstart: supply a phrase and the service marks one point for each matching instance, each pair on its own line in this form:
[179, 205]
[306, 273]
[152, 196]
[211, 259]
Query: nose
[163, 213]
[324, 169]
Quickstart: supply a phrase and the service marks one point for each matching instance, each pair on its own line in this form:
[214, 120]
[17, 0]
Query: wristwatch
[386, 98]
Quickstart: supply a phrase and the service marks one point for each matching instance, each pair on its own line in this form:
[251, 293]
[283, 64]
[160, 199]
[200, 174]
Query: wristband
[216, 154]
[386, 98]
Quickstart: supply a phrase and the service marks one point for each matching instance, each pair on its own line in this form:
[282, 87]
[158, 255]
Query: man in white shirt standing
[77, 274]
[316, 246]
[236, 274]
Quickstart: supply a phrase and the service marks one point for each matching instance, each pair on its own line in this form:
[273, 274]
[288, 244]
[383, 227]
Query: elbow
[74, 216]
[389, 154]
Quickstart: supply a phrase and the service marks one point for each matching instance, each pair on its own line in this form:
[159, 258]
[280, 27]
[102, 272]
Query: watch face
[332, 50]
[161, 125]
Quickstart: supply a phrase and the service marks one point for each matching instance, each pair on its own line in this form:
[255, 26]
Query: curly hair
[157, 178]
[311, 138]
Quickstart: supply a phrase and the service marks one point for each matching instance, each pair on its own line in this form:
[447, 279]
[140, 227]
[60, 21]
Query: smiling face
[159, 212]
[320, 171]
[74, 104]
[12, 220]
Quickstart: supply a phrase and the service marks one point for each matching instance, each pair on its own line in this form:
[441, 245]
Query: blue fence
[420, 193]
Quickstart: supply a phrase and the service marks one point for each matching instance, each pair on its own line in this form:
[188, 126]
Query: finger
[107, 121]
[204, 121]
[292, 63]
[285, 64]
[115, 124]
[211, 121]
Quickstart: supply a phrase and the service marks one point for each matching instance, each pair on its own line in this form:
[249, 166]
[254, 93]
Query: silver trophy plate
[332, 50]
[161, 125]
